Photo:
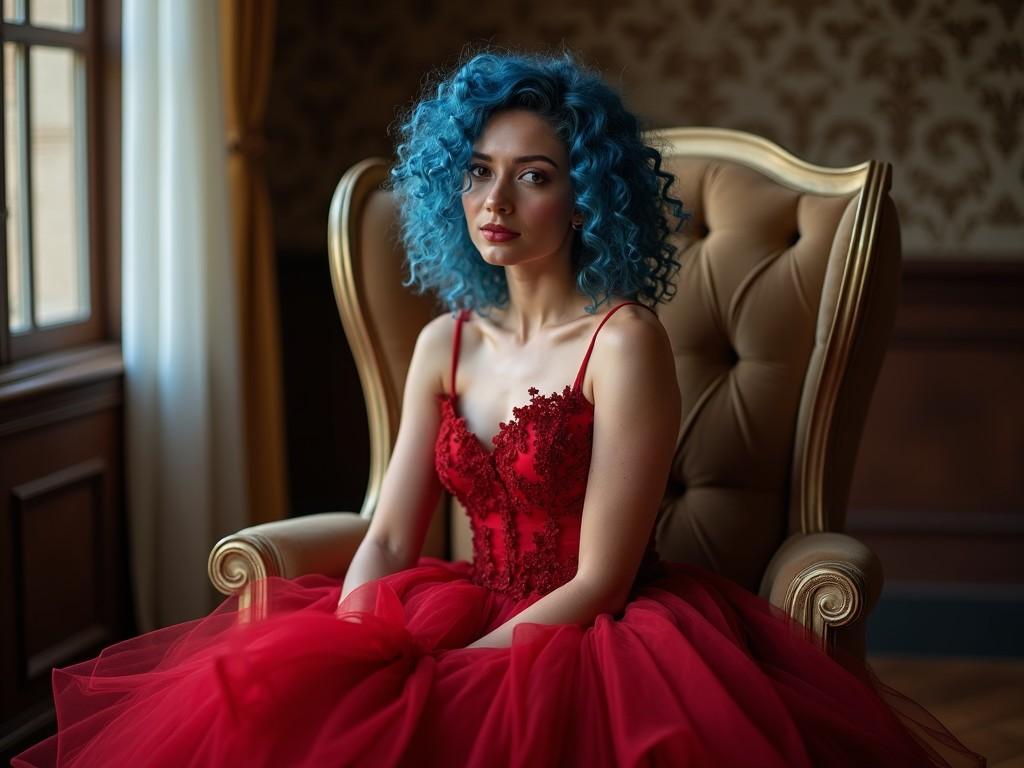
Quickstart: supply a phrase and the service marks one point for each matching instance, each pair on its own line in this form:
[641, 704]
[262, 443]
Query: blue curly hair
[623, 248]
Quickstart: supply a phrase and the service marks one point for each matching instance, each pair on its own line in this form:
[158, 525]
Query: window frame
[100, 44]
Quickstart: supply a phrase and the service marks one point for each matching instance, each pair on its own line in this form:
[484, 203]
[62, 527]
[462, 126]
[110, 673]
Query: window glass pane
[17, 272]
[60, 271]
[54, 13]
[14, 10]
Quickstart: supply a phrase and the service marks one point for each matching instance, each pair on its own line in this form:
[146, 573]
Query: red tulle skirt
[695, 672]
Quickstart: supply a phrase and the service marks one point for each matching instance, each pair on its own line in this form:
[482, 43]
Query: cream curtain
[247, 50]
[185, 438]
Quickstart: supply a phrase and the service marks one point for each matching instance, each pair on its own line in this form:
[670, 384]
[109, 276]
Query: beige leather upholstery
[784, 303]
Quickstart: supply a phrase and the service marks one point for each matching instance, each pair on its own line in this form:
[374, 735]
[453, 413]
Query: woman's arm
[410, 490]
[636, 424]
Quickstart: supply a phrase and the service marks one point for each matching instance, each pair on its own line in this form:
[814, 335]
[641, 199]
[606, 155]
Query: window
[52, 239]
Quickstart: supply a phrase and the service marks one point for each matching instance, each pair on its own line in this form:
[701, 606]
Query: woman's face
[519, 205]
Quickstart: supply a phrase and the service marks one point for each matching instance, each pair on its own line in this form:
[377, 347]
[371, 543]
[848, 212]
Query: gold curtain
[247, 52]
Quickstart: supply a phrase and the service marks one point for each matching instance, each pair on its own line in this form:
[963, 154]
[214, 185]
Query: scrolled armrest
[322, 543]
[829, 582]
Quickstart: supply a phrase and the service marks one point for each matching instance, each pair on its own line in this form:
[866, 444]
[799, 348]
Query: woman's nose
[498, 199]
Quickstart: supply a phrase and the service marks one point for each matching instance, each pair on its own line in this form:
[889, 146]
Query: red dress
[696, 671]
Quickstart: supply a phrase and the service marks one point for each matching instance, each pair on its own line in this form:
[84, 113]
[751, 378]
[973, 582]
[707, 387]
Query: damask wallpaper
[934, 86]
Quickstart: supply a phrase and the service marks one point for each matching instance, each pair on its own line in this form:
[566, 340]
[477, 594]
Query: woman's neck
[540, 301]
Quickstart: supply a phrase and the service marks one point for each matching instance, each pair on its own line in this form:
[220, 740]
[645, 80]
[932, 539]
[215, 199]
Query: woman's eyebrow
[523, 159]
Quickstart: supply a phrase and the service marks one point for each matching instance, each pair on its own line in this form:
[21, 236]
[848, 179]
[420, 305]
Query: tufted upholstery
[755, 258]
[784, 302]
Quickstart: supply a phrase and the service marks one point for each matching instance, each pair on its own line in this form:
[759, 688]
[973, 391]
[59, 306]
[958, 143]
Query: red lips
[495, 233]
[498, 228]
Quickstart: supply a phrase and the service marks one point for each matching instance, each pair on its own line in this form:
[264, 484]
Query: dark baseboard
[948, 620]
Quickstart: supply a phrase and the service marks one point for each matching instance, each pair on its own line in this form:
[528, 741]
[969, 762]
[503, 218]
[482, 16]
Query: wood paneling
[954, 555]
[59, 580]
[938, 490]
[64, 586]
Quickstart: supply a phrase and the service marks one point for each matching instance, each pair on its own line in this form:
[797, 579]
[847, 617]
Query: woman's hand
[575, 602]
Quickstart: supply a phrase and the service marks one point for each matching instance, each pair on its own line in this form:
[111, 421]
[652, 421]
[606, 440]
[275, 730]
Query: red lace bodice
[525, 498]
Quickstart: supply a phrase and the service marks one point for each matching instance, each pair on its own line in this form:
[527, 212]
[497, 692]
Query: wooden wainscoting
[938, 491]
[63, 553]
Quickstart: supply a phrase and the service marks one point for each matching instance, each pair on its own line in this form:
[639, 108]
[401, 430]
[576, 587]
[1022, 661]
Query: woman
[532, 207]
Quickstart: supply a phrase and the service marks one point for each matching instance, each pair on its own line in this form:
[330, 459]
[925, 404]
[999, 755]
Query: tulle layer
[695, 672]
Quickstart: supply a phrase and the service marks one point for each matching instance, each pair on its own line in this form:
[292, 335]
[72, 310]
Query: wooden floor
[980, 700]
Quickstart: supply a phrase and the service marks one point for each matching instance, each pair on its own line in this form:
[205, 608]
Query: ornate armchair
[785, 301]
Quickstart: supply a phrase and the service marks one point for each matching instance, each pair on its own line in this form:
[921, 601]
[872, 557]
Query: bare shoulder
[634, 350]
[438, 331]
[432, 356]
[632, 330]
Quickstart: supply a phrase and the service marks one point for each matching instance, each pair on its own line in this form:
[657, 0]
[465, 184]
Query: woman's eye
[530, 177]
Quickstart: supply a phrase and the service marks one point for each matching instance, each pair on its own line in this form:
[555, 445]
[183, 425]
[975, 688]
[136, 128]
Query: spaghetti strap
[460, 318]
[583, 367]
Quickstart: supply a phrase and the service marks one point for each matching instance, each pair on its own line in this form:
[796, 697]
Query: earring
[577, 225]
